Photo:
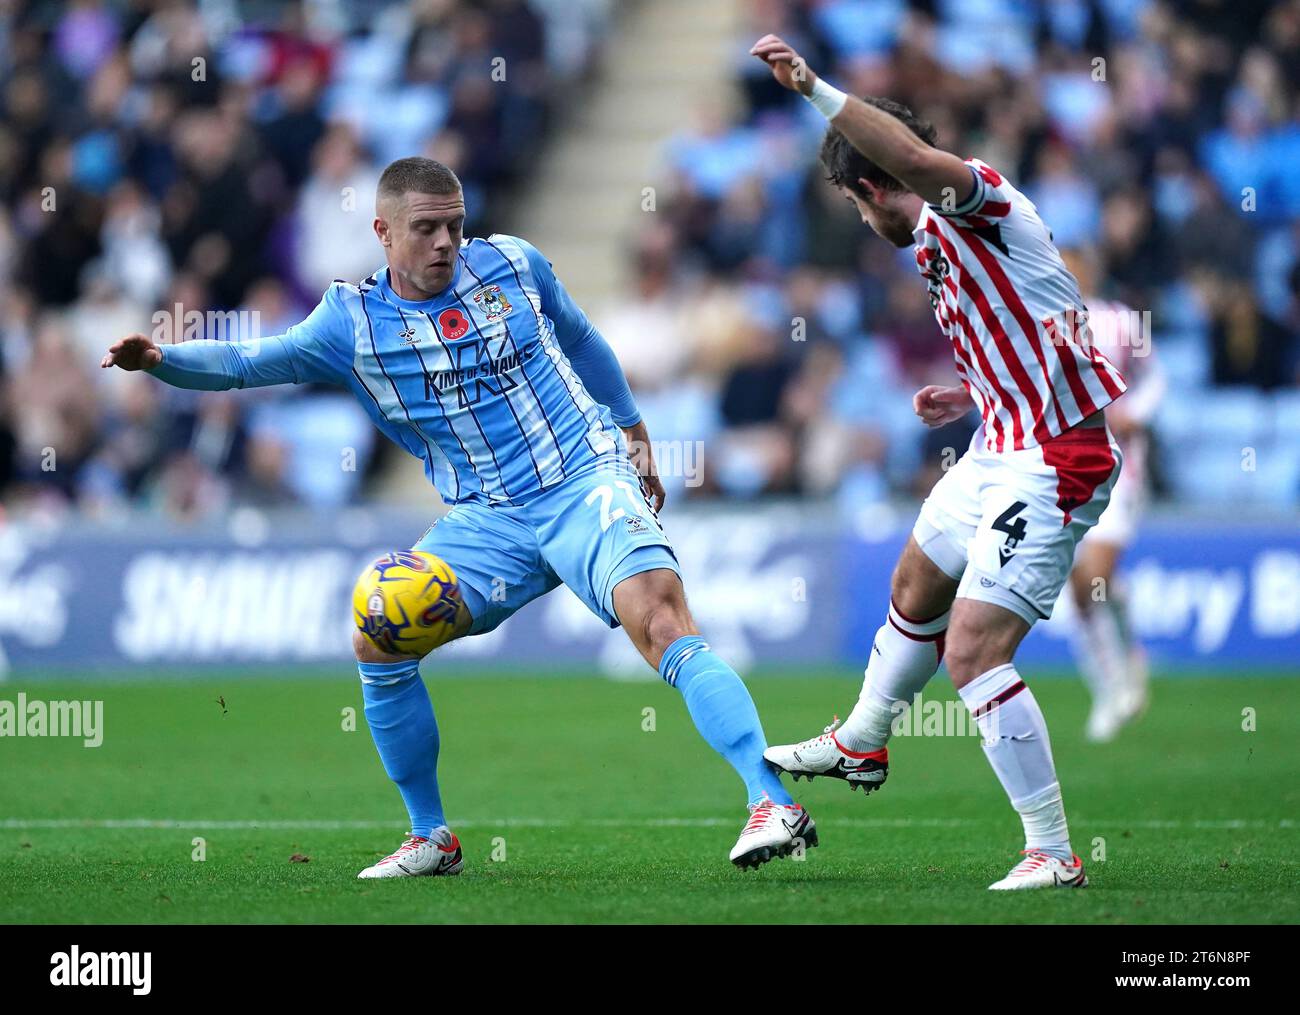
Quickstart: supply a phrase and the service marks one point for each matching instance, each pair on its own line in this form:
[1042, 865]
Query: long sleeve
[212, 365]
[586, 349]
[315, 350]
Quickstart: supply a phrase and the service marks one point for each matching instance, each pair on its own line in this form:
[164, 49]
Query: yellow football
[408, 602]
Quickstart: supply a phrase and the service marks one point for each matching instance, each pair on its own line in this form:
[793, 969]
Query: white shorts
[1006, 525]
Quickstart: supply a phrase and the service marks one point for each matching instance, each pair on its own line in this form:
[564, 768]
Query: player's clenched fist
[135, 352]
[938, 406]
[788, 67]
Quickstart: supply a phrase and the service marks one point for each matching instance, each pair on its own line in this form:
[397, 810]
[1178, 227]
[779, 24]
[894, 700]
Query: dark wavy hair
[845, 165]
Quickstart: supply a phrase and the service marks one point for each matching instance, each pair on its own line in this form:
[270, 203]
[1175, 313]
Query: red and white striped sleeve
[988, 201]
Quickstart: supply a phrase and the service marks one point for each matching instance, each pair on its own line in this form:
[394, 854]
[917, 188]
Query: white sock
[1018, 748]
[904, 656]
[1099, 649]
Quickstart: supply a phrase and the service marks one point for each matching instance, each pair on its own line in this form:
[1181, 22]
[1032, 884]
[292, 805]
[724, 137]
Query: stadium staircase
[582, 205]
[663, 57]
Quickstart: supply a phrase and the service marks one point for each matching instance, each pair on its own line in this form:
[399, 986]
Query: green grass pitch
[570, 811]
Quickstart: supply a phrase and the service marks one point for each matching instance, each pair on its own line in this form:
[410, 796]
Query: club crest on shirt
[492, 302]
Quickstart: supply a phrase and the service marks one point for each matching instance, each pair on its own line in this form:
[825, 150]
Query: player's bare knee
[973, 648]
[961, 656]
[968, 655]
[905, 594]
[663, 623]
[965, 662]
[981, 636]
[918, 588]
[652, 607]
[664, 619]
[367, 651]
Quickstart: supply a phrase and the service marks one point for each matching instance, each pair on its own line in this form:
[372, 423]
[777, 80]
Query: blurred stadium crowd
[171, 154]
[162, 152]
[1155, 137]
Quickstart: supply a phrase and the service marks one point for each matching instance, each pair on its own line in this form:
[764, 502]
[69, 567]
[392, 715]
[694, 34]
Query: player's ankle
[859, 741]
[868, 726]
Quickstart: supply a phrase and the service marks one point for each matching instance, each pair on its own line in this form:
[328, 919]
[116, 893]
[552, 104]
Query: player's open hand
[938, 406]
[642, 455]
[787, 66]
[135, 352]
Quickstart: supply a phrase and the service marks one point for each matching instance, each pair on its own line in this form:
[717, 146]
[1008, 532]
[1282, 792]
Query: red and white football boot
[773, 830]
[1042, 870]
[436, 856]
[825, 755]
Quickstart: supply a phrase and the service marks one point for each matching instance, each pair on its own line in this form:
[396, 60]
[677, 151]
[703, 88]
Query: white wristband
[826, 99]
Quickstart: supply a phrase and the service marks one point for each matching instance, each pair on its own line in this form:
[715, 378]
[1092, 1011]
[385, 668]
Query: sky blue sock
[723, 712]
[400, 716]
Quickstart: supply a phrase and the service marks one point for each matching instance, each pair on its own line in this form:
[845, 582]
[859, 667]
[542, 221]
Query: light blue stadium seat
[1186, 362]
[319, 431]
[1236, 415]
[1242, 411]
[1286, 414]
[1277, 475]
[1200, 474]
[1216, 472]
[1177, 419]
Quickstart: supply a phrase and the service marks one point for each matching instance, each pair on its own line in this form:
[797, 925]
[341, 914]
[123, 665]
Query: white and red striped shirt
[1123, 336]
[1014, 315]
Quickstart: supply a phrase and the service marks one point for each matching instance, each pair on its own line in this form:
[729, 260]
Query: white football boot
[420, 857]
[1136, 692]
[1104, 720]
[1121, 705]
[825, 755]
[1042, 870]
[773, 830]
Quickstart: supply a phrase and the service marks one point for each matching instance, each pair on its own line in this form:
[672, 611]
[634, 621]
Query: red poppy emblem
[453, 323]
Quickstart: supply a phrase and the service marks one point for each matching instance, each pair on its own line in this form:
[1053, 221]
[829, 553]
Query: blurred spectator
[206, 170]
[646, 327]
[53, 412]
[335, 214]
[1249, 347]
[164, 155]
[1162, 133]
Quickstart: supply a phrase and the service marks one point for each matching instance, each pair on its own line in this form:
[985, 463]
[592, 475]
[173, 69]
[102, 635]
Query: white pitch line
[17, 824]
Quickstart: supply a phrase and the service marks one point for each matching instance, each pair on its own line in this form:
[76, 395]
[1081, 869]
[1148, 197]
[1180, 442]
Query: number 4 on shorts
[1013, 527]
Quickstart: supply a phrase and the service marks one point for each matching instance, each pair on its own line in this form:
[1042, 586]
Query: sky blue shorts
[589, 532]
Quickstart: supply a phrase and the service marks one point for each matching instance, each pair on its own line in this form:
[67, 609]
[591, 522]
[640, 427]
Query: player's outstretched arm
[318, 349]
[206, 364]
[939, 177]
